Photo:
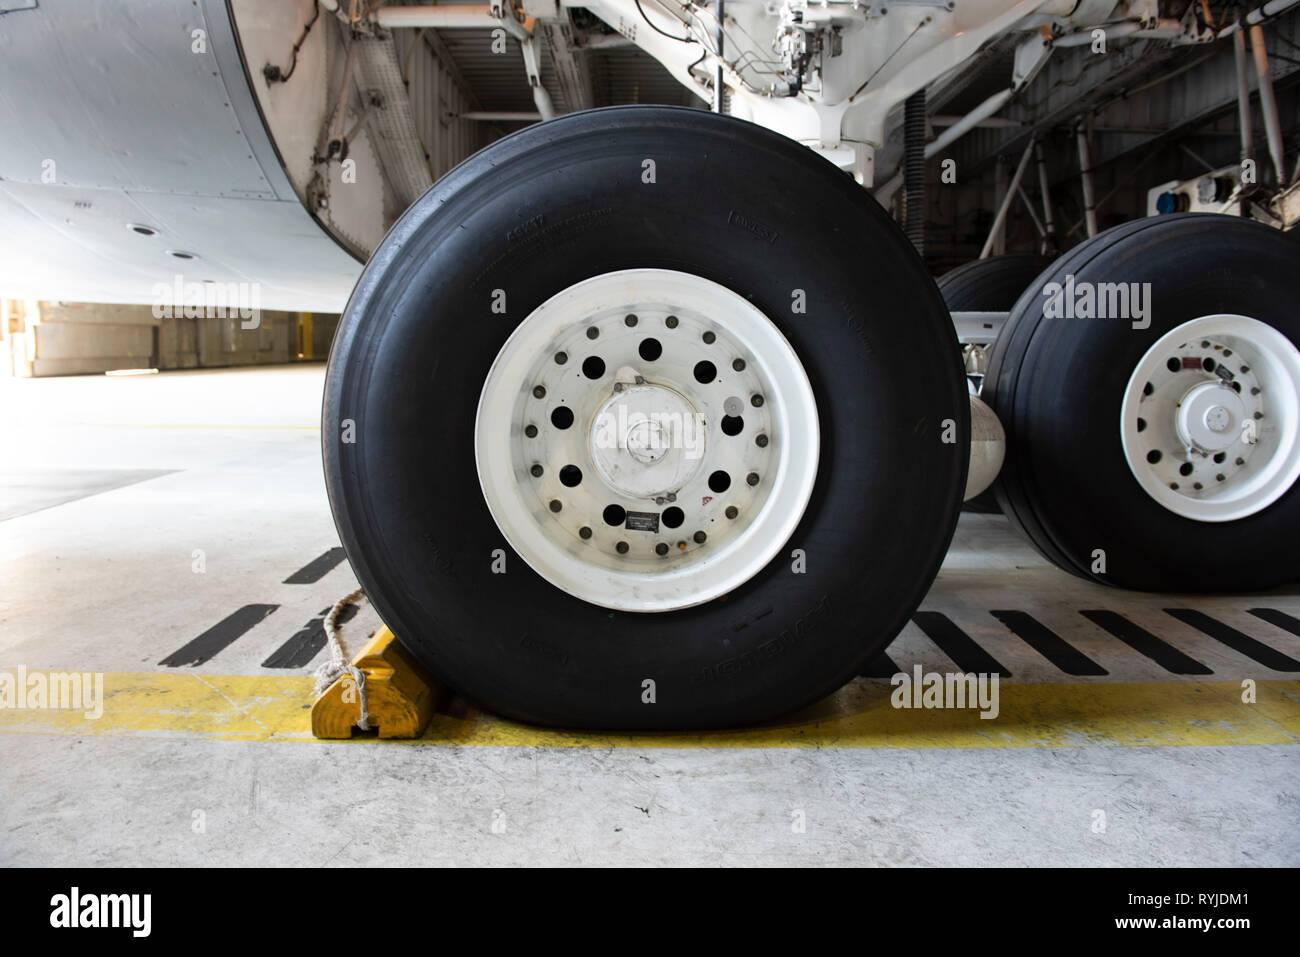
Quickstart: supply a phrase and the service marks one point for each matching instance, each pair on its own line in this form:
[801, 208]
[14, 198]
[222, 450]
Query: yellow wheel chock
[400, 695]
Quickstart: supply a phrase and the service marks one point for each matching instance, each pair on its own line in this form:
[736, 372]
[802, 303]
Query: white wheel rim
[643, 463]
[1217, 443]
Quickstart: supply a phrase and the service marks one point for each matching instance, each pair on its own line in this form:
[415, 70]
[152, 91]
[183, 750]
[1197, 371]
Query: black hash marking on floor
[306, 643]
[316, 569]
[1278, 618]
[1236, 640]
[1049, 644]
[219, 636]
[958, 645]
[1143, 642]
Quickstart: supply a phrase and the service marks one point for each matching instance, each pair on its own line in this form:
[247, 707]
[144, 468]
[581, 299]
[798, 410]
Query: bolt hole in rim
[646, 439]
[1180, 410]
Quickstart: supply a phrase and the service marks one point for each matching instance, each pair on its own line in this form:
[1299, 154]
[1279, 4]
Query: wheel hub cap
[647, 440]
[1210, 417]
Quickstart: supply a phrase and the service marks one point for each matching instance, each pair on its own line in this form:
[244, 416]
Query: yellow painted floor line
[278, 708]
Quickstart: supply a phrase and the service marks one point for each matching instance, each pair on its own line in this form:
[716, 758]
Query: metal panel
[145, 125]
[293, 111]
[115, 97]
[68, 243]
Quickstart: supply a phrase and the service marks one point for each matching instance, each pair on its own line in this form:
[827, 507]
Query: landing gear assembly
[989, 285]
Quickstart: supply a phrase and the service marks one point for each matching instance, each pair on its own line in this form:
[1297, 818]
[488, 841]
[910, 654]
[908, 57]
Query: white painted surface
[113, 118]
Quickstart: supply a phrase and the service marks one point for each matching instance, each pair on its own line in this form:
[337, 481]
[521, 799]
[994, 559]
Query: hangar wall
[40, 338]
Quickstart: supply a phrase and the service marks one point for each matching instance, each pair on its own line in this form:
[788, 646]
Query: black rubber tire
[989, 285]
[1057, 385]
[560, 202]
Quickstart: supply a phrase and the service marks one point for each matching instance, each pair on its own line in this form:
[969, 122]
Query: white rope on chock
[339, 664]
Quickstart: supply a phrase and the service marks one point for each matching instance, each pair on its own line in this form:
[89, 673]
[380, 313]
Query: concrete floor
[114, 492]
